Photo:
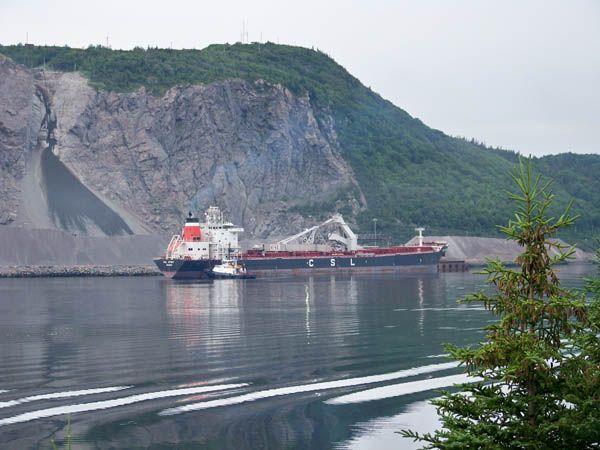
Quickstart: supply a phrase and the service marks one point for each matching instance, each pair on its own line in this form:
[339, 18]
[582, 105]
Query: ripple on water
[397, 390]
[105, 404]
[269, 393]
[58, 395]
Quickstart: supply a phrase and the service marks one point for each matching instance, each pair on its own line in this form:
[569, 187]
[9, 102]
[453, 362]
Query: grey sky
[516, 74]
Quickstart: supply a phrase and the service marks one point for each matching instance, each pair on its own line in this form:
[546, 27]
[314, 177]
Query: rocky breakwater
[77, 271]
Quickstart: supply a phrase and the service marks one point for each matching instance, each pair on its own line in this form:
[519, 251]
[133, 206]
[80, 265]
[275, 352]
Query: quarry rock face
[19, 124]
[252, 148]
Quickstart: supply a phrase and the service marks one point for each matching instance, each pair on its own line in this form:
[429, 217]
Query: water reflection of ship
[421, 296]
[213, 315]
[345, 290]
[204, 314]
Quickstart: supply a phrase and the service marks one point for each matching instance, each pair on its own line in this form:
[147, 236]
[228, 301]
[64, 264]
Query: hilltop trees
[540, 363]
[409, 174]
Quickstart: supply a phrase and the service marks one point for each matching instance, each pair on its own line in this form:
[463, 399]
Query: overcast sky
[514, 74]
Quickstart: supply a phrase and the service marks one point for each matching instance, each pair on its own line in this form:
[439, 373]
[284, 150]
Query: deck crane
[340, 234]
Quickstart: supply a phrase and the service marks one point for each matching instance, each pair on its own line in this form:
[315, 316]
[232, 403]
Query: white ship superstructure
[215, 239]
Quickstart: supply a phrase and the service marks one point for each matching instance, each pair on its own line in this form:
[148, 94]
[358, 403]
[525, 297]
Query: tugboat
[230, 269]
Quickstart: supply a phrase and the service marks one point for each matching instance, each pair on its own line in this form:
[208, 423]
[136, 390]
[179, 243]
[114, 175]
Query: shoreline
[52, 271]
[143, 270]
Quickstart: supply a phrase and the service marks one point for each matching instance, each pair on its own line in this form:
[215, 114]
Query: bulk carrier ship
[328, 247]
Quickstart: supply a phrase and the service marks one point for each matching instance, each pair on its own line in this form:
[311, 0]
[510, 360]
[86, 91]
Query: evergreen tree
[539, 367]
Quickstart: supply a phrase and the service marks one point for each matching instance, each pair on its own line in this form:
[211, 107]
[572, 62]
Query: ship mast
[420, 231]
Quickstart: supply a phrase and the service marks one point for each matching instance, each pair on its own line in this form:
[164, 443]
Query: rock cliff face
[20, 118]
[103, 163]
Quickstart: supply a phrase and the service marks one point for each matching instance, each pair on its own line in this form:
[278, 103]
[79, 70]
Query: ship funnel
[191, 230]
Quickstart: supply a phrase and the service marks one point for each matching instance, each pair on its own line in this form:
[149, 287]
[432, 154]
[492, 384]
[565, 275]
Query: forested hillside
[409, 173]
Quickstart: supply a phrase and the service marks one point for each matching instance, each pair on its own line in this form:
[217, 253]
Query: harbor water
[328, 361]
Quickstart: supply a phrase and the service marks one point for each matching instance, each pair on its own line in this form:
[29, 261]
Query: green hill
[409, 173]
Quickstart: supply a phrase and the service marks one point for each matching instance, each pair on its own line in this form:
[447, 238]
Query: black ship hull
[420, 262]
[202, 269]
[186, 269]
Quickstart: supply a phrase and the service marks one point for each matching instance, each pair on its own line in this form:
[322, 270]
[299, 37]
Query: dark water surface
[315, 362]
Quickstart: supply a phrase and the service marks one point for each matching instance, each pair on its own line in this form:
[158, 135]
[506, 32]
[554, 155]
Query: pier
[452, 265]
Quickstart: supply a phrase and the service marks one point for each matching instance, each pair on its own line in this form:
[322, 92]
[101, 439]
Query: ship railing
[256, 253]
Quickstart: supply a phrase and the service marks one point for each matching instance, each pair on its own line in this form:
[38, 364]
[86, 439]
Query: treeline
[409, 173]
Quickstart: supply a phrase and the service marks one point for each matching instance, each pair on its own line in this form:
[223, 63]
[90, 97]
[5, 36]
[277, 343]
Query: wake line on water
[105, 404]
[56, 395]
[259, 395]
[398, 390]
[470, 308]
